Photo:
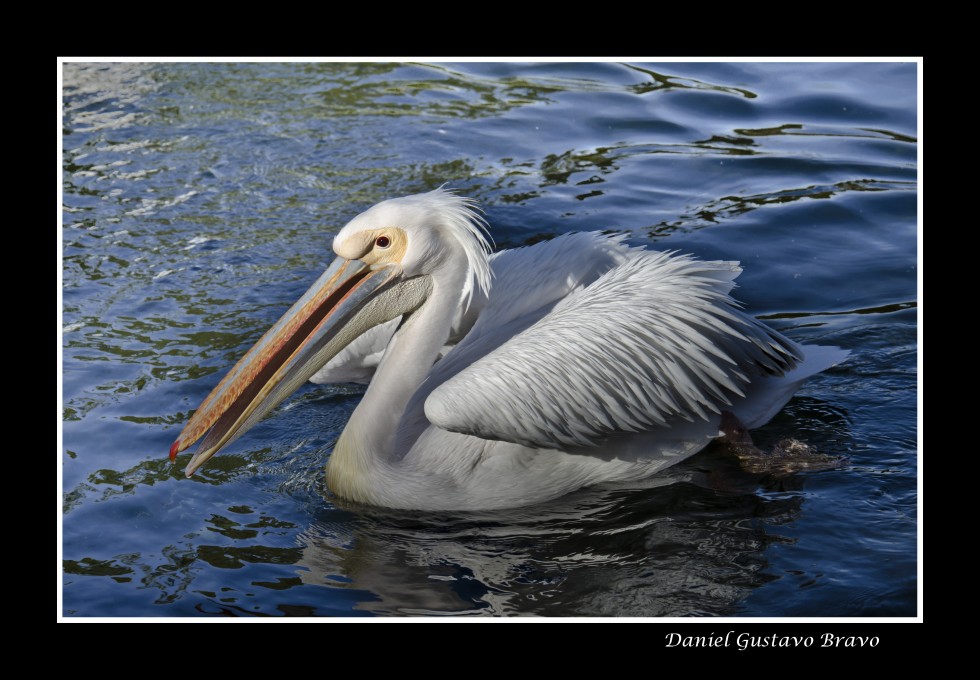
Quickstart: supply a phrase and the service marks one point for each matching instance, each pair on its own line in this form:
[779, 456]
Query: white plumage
[583, 361]
[652, 341]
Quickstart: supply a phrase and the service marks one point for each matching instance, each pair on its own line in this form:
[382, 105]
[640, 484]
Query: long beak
[314, 329]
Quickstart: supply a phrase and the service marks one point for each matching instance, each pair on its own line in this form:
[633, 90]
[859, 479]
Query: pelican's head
[421, 235]
[388, 258]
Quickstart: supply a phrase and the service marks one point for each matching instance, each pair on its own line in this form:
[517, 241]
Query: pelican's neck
[367, 444]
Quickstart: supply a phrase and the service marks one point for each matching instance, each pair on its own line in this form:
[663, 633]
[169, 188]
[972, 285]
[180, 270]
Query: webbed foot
[787, 456]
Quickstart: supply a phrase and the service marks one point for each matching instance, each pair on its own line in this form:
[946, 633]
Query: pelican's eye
[383, 242]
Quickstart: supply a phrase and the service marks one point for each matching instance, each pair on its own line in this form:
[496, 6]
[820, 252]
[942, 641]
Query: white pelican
[586, 361]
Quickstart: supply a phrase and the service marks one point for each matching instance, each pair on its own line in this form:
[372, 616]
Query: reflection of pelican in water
[587, 361]
[676, 549]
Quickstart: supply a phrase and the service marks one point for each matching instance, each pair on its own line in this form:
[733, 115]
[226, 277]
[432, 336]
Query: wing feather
[654, 340]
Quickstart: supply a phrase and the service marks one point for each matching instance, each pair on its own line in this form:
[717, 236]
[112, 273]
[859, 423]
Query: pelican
[509, 379]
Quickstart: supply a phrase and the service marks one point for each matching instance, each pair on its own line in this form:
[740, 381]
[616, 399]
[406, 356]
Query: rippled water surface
[200, 200]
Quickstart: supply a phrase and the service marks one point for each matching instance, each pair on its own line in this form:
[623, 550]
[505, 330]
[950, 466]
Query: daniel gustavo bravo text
[744, 641]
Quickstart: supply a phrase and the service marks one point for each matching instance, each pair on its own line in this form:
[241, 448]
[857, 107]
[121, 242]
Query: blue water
[200, 201]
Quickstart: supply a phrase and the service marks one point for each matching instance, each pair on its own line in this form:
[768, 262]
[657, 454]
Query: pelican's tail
[765, 398]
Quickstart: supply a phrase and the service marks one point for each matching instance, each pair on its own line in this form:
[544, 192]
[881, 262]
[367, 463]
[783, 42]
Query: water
[200, 200]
